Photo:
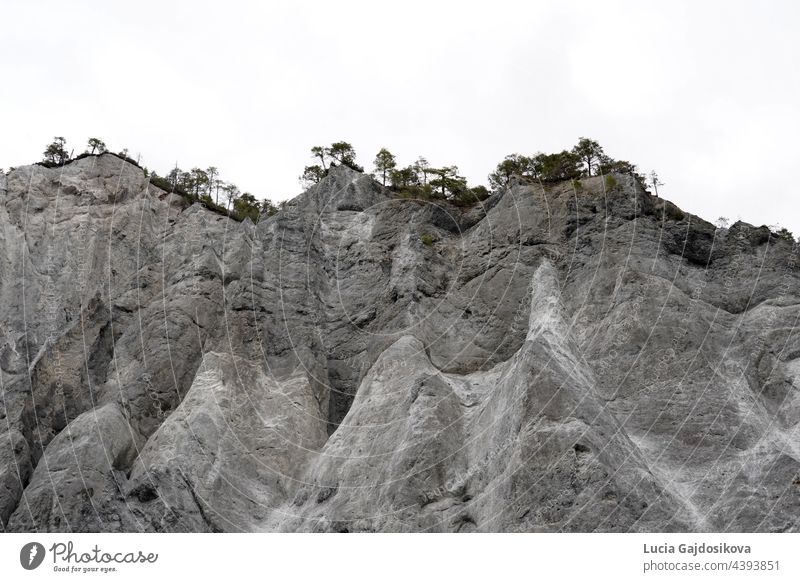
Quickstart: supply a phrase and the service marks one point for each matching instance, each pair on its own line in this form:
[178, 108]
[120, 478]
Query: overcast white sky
[705, 93]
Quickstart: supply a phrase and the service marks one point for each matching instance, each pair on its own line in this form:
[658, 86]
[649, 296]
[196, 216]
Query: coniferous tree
[320, 152]
[56, 152]
[345, 154]
[385, 163]
[512, 165]
[199, 181]
[246, 206]
[232, 193]
[589, 152]
[268, 208]
[447, 182]
[422, 168]
[403, 178]
[558, 167]
[212, 173]
[185, 182]
[654, 181]
[95, 145]
[174, 177]
[312, 175]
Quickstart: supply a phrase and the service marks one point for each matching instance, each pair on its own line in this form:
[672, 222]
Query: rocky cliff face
[568, 358]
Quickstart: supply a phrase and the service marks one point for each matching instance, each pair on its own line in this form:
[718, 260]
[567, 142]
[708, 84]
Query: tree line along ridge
[418, 180]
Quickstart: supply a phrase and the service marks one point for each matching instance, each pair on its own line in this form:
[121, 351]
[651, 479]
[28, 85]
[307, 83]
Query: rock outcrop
[562, 358]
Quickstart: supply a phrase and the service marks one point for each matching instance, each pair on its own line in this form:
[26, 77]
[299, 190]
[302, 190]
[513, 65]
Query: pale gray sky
[705, 93]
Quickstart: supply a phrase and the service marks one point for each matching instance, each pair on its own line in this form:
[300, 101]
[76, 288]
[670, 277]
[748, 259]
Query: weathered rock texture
[565, 358]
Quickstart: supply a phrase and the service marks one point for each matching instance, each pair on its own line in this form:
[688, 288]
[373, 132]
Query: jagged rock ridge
[561, 359]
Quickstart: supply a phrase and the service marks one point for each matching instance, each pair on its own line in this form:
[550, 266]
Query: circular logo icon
[31, 555]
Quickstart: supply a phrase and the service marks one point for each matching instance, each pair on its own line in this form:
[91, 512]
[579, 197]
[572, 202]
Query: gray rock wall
[561, 359]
